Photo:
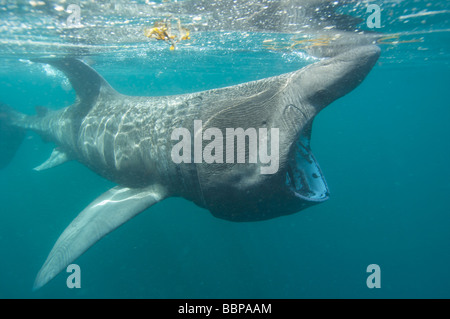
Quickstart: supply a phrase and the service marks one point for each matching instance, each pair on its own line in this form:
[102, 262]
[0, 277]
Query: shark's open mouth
[304, 177]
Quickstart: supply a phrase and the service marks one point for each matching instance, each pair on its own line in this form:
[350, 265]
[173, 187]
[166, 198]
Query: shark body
[127, 139]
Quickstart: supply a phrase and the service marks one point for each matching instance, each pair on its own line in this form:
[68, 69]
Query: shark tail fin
[11, 136]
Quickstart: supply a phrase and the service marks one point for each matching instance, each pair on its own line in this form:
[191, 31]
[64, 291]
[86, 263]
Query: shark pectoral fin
[102, 216]
[58, 157]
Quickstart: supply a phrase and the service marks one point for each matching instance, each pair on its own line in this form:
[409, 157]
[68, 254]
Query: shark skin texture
[127, 140]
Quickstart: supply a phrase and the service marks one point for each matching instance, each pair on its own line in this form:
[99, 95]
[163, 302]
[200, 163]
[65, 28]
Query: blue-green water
[383, 148]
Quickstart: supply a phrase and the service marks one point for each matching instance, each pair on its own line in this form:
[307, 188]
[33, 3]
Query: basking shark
[128, 140]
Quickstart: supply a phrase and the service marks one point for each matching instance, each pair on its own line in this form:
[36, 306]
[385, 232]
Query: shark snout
[366, 55]
[319, 85]
[357, 63]
[326, 81]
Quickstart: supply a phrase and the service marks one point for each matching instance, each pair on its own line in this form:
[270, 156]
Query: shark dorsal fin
[86, 82]
[41, 111]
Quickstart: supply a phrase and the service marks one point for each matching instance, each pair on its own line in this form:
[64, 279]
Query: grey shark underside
[127, 139]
